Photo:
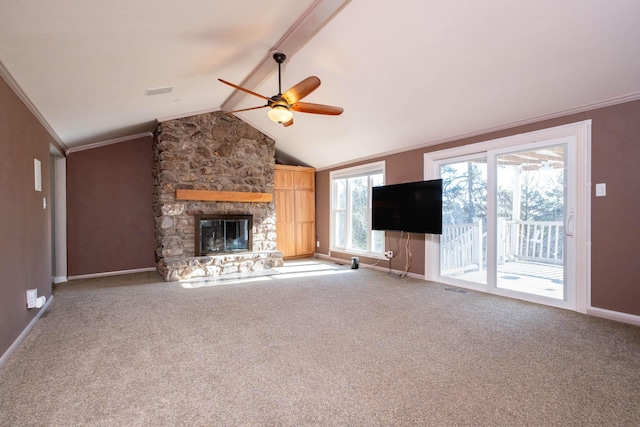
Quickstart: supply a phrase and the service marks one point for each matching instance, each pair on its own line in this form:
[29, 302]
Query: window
[351, 209]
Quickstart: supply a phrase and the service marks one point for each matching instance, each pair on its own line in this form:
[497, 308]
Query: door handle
[570, 224]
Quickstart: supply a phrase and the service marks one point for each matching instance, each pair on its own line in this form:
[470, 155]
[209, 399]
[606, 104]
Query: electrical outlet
[388, 254]
[32, 296]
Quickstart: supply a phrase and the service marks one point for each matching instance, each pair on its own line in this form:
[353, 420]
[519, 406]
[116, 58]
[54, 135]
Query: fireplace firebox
[220, 234]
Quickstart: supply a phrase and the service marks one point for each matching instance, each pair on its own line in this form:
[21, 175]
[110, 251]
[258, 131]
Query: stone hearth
[215, 152]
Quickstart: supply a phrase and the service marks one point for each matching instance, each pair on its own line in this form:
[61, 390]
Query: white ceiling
[407, 73]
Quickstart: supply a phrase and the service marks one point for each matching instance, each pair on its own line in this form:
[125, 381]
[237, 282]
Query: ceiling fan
[282, 104]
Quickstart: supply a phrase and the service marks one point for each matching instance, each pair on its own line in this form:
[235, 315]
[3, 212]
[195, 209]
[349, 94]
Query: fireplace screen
[217, 234]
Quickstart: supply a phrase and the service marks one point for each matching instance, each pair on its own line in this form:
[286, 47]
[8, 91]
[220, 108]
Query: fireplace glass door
[218, 234]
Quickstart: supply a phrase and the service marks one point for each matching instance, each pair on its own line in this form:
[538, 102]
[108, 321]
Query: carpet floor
[316, 344]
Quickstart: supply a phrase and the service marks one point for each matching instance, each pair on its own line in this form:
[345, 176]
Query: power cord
[408, 256]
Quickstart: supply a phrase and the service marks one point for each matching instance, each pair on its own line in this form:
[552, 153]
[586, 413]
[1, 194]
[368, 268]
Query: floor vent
[460, 291]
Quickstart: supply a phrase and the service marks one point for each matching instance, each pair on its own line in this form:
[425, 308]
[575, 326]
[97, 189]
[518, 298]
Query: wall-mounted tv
[414, 207]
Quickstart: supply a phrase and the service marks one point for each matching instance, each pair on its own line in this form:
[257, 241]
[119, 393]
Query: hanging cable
[408, 256]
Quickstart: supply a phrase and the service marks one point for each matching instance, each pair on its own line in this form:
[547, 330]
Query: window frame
[365, 170]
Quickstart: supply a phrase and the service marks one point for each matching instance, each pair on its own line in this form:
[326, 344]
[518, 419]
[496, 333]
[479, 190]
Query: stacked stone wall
[217, 152]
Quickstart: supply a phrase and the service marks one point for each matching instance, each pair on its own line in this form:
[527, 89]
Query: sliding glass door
[530, 215]
[463, 244]
[509, 220]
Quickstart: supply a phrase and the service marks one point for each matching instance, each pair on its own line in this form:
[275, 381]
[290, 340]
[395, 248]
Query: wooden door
[294, 196]
[285, 222]
[305, 221]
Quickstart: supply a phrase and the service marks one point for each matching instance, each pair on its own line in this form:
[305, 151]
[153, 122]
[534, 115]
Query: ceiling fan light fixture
[280, 114]
[280, 105]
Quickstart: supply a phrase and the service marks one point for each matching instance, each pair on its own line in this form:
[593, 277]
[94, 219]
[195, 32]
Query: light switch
[601, 189]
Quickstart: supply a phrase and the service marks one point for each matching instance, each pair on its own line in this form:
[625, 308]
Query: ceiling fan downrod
[279, 58]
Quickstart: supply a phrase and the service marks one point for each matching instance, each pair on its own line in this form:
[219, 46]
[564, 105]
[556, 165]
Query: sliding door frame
[581, 133]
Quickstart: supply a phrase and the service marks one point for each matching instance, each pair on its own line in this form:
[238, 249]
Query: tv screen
[414, 207]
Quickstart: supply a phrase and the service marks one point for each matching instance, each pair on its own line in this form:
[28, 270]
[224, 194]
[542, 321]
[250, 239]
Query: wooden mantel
[223, 196]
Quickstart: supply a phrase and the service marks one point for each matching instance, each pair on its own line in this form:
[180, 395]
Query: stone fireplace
[201, 234]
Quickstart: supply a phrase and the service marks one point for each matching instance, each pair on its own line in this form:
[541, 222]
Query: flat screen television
[414, 207]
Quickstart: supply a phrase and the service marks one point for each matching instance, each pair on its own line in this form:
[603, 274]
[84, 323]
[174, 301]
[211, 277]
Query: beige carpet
[317, 344]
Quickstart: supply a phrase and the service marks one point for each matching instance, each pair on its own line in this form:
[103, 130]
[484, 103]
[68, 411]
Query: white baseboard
[111, 273]
[7, 354]
[373, 267]
[60, 279]
[614, 315]
[396, 272]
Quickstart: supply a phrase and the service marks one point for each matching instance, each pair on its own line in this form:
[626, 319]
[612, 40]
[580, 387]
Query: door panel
[285, 222]
[305, 233]
[530, 221]
[464, 205]
[305, 205]
[504, 221]
[303, 180]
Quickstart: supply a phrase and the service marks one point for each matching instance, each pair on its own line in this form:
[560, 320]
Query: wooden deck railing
[463, 246]
[539, 241]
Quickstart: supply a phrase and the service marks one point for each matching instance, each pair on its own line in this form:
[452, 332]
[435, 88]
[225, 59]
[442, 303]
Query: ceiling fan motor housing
[278, 101]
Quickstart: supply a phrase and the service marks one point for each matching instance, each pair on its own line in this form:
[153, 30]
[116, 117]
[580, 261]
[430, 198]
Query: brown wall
[615, 228]
[25, 227]
[109, 208]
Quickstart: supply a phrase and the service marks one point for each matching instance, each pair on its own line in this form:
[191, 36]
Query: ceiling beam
[314, 18]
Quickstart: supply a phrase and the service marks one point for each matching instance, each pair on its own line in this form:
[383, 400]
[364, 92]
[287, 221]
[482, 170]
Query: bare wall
[110, 208]
[25, 227]
[615, 228]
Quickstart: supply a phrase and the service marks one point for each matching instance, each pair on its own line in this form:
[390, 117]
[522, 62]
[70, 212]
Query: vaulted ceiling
[407, 73]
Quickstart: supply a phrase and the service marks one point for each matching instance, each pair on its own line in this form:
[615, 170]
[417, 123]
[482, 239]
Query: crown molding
[564, 113]
[108, 142]
[57, 142]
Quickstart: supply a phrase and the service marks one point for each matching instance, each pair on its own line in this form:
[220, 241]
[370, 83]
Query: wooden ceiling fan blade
[289, 123]
[247, 109]
[307, 107]
[244, 90]
[302, 89]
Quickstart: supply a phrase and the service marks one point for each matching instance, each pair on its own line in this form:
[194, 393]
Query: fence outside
[463, 246]
[538, 241]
